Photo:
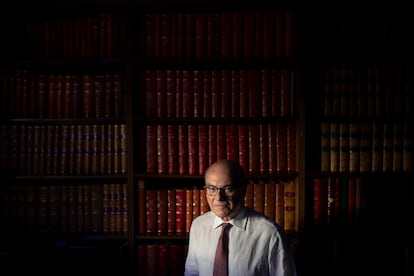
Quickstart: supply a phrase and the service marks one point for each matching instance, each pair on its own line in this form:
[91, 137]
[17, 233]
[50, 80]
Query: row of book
[61, 208]
[63, 149]
[354, 203]
[190, 148]
[171, 211]
[219, 93]
[98, 35]
[367, 147]
[226, 36]
[377, 91]
[27, 94]
[161, 259]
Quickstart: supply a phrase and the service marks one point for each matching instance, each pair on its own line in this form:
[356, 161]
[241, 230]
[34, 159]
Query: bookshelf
[111, 116]
[359, 138]
[64, 138]
[210, 96]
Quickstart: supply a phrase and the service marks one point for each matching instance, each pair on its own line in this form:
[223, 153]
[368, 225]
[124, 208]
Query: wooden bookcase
[102, 163]
[359, 154]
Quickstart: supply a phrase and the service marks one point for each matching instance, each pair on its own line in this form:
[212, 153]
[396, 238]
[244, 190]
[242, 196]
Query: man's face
[225, 203]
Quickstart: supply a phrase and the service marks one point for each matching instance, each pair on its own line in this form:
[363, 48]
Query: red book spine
[27, 89]
[189, 38]
[221, 142]
[272, 132]
[42, 101]
[162, 211]
[268, 35]
[244, 146]
[280, 203]
[258, 196]
[244, 93]
[320, 195]
[152, 265]
[193, 149]
[180, 37]
[275, 93]
[200, 36]
[173, 36]
[212, 36]
[225, 93]
[183, 149]
[142, 214]
[171, 94]
[291, 148]
[248, 198]
[59, 97]
[87, 96]
[179, 93]
[109, 96]
[171, 211]
[180, 211]
[254, 94]
[99, 86]
[290, 35]
[197, 93]
[281, 144]
[162, 149]
[151, 211]
[212, 144]
[266, 102]
[280, 36]
[226, 29]
[237, 35]
[270, 200]
[351, 201]
[254, 149]
[173, 149]
[68, 97]
[188, 209]
[151, 89]
[286, 93]
[163, 259]
[157, 36]
[248, 38]
[206, 91]
[161, 93]
[235, 94]
[290, 206]
[76, 96]
[264, 148]
[215, 93]
[51, 89]
[149, 36]
[203, 148]
[258, 36]
[165, 43]
[204, 208]
[188, 93]
[232, 142]
[151, 149]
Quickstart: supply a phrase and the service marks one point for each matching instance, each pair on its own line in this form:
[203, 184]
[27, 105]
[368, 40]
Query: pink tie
[221, 259]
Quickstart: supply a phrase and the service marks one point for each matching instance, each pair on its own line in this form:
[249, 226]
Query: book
[320, 203]
[180, 211]
[325, 147]
[290, 206]
[162, 211]
[259, 196]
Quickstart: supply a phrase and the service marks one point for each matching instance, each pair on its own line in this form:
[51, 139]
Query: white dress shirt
[257, 246]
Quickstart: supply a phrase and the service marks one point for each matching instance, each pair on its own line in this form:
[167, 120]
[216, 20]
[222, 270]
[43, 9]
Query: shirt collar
[240, 221]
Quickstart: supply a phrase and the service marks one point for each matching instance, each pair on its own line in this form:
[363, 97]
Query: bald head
[231, 168]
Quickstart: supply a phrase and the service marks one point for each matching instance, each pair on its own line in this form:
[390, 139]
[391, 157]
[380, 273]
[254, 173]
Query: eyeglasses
[212, 190]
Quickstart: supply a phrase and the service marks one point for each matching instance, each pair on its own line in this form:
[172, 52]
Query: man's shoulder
[260, 219]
